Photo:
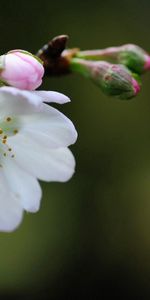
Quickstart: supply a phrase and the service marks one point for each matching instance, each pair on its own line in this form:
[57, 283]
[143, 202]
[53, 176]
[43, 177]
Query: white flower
[33, 145]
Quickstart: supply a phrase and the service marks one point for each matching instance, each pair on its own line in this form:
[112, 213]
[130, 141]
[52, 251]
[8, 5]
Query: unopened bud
[135, 58]
[130, 55]
[114, 80]
[21, 69]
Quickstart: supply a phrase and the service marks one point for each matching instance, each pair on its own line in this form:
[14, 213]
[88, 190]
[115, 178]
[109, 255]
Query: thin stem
[100, 54]
[79, 66]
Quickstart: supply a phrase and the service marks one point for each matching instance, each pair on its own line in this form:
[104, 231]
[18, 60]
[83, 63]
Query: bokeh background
[91, 237]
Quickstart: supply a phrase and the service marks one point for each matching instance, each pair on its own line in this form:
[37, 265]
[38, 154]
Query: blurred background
[91, 237]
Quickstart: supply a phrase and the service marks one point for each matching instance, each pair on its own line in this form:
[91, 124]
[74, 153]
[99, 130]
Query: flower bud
[21, 69]
[114, 80]
[130, 55]
[134, 57]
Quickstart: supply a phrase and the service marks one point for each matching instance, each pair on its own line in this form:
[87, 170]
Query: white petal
[14, 101]
[50, 96]
[49, 127]
[49, 165]
[23, 185]
[11, 211]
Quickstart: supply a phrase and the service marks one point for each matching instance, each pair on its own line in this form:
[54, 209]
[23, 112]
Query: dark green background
[91, 237]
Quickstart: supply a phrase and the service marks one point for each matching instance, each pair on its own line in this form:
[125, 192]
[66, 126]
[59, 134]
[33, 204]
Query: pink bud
[136, 86]
[22, 70]
[147, 62]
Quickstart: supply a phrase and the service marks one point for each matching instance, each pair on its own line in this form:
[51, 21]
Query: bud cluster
[130, 55]
[116, 70]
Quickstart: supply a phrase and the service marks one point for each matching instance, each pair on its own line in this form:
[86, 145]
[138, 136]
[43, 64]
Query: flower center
[8, 127]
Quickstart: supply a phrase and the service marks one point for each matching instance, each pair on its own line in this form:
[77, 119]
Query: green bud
[114, 80]
[134, 57]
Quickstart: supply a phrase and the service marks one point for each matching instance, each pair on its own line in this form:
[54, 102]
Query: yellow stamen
[8, 119]
[15, 131]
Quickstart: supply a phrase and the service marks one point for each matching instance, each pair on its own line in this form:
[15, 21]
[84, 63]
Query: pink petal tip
[136, 86]
[147, 62]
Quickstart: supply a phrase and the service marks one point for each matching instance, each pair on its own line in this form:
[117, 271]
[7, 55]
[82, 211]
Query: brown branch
[56, 59]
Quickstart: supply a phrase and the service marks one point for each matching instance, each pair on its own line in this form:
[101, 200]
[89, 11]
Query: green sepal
[134, 61]
[28, 53]
[2, 62]
[137, 78]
